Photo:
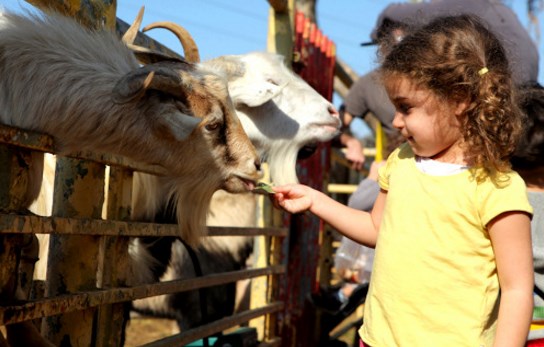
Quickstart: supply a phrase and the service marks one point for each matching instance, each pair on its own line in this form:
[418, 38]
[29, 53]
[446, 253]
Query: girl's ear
[461, 107]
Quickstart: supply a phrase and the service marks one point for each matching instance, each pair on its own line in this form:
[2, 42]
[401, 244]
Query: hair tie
[483, 71]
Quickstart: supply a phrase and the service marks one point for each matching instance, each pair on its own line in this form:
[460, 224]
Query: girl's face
[430, 125]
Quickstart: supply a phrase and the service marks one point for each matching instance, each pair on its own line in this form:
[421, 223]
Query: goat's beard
[192, 206]
[191, 196]
[282, 165]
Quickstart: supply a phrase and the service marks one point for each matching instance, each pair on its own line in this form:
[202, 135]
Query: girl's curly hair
[459, 59]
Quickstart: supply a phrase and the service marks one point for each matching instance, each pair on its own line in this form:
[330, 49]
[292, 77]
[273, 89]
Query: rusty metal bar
[26, 139]
[74, 302]
[44, 143]
[214, 327]
[271, 327]
[22, 224]
[113, 160]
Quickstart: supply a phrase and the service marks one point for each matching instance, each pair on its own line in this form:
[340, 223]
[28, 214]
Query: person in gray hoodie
[367, 96]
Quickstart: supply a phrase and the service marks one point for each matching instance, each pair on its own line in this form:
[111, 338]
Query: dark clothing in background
[366, 95]
[521, 51]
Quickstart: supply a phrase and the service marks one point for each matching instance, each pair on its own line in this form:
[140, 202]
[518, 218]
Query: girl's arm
[511, 239]
[360, 226]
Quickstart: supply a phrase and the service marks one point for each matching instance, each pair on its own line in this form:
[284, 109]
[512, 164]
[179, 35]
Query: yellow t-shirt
[434, 281]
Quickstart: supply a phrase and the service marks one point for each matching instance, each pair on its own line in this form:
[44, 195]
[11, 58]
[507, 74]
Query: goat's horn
[166, 79]
[130, 35]
[189, 46]
[149, 56]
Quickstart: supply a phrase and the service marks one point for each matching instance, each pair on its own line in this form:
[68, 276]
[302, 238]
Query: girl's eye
[404, 109]
[212, 126]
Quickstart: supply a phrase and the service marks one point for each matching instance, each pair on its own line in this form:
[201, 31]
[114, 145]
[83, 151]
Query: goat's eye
[272, 82]
[212, 126]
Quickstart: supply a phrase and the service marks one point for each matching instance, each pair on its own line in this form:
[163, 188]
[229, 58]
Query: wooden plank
[281, 32]
[279, 6]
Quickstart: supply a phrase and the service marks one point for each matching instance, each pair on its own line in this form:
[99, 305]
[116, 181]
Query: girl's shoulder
[401, 156]
[403, 152]
[506, 192]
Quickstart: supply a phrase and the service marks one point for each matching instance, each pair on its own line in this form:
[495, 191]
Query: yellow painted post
[73, 259]
[268, 250]
[281, 31]
[380, 142]
[114, 258]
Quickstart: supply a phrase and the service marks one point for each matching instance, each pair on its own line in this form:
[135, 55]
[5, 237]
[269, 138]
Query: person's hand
[354, 153]
[293, 198]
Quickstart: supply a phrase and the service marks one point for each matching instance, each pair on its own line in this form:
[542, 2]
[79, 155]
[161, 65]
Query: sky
[221, 27]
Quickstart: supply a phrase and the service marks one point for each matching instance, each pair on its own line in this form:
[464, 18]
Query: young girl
[451, 224]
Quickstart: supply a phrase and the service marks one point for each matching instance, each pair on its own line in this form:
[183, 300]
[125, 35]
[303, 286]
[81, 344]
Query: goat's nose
[333, 112]
[257, 164]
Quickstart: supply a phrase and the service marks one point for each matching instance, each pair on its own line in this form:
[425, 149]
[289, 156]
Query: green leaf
[263, 188]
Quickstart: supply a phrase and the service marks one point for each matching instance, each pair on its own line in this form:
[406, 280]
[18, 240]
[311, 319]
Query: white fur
[280, 113]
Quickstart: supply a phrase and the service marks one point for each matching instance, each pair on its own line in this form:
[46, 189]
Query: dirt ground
[143, 330]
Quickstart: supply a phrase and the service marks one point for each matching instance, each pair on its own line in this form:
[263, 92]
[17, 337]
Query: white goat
[280, 113]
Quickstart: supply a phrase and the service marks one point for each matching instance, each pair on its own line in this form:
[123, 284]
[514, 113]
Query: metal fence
[86, 280]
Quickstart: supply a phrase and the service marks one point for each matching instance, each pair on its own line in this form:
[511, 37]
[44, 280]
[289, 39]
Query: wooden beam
[280, 6]
[91, 13]
[281, 31]
[345, 73]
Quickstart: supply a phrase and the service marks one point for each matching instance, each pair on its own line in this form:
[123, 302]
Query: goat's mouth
[307, 151]
[332, 128]
[239, 184]
[248, 184]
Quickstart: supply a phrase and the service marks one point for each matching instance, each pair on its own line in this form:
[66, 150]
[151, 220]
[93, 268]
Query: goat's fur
[87, 90]
[280, 113]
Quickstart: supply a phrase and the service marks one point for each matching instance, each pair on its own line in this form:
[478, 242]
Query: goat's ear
[179, 125]
[252, 94]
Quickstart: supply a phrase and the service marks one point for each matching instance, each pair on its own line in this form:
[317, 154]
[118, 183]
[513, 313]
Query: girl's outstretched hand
[293, 198]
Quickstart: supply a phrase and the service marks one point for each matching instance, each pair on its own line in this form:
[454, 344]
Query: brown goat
[87, 90]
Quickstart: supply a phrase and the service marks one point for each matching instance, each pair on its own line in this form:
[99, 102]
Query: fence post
[114, 259]
[17, 264]
[73, 259]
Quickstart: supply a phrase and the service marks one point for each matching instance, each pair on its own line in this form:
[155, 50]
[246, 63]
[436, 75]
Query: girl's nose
[397, 121]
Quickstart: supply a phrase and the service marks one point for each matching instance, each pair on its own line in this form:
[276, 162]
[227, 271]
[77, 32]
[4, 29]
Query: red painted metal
[314, 56]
